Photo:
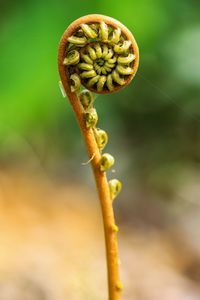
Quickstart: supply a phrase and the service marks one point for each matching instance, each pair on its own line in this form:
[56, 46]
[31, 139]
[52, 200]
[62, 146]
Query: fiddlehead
[100, 54]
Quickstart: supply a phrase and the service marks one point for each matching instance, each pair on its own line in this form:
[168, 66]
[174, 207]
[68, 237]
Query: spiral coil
[101, 57]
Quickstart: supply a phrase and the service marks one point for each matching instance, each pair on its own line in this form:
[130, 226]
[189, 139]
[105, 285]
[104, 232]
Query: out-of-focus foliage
[153, 125]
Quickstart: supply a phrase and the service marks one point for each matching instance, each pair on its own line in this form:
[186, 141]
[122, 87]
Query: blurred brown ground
[52, 248]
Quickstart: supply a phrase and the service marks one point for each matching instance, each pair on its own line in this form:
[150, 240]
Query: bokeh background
[51, 239]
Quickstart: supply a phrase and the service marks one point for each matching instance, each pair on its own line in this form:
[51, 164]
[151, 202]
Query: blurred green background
[51, 239]
[153, 125]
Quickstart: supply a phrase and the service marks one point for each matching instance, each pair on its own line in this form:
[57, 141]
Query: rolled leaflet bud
[89, 31]
[103, 32]
[72, 58]
[80, 41]
[75, 83]
[106, 162]
[101, 138]
[124, 70]
[126, 59]
[91, 118]
[115, 188]
[86, 98]
[121, 48]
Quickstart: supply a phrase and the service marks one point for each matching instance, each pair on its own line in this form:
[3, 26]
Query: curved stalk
[110, 229]
[104, 195]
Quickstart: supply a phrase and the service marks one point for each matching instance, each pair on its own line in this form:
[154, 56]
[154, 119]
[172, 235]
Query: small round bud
[115, 228]
[101, 138]
[87, 99]
[91, 118]
[115, 187]
[119, 286]
[75, 83]
[72, 58]
[106, 162]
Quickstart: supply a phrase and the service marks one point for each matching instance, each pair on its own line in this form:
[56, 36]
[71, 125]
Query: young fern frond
[100, 54]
